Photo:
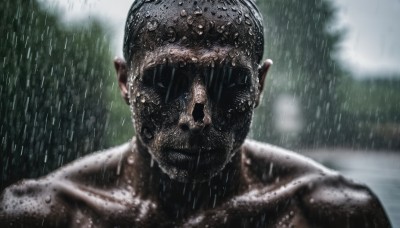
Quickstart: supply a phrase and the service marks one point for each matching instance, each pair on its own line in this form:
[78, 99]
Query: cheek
[152, 115]
[235, 111]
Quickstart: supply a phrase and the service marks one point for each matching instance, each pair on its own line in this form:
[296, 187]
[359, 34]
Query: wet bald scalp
[198, 23]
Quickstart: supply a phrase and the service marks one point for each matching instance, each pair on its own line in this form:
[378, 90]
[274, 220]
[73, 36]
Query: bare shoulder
[326, 198]
[52, 200]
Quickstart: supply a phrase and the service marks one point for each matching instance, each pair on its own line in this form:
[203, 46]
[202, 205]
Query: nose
[197, 117]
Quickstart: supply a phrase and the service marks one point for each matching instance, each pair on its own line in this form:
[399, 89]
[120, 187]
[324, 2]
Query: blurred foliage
[55, 91]
[302, 45]
[371, 112]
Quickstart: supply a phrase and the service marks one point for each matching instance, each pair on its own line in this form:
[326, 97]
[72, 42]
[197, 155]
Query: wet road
[379, 170]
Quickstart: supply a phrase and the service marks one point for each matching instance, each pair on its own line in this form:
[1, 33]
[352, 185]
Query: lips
[192, 157]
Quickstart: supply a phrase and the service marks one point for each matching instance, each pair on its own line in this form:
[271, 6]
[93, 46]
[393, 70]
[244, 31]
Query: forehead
[201, 57]
[193, 25]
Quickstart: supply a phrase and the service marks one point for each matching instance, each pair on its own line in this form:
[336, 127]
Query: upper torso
[283, 190]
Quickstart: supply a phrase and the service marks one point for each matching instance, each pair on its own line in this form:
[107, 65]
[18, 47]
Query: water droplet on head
[251, 33]
[239, 20]
[248, 22]
[198, 11]
[152, 25]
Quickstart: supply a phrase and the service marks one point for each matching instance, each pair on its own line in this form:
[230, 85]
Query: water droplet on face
[171, 34]
[190, 20]
[221, 29]
[130, 160]
[152, 25]
[199, 29]
[143, 100]
[198, 11]
[236, 36]
[147, 15]
[183, 13]
[147, 133]
[248, 161]
[47, 199]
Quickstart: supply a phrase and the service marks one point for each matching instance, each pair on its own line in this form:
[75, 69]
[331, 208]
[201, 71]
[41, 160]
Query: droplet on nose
[198, 112]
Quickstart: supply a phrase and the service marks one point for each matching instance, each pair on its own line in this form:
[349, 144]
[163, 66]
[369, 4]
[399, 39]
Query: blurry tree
[54, 105]
[302, 45]
[371, 110]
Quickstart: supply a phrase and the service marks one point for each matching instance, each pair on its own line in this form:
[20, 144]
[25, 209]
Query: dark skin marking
[190, 165]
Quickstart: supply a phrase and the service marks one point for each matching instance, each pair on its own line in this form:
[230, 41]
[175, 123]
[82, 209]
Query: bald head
[196, 23]
[192, 78]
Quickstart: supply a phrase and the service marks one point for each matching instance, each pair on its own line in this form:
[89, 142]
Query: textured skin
[274, 188]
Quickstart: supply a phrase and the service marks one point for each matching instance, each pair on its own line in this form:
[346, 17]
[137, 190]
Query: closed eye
[169, 81]
[225, 79]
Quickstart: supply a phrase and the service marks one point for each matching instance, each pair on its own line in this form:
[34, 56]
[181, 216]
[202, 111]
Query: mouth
[185, 158]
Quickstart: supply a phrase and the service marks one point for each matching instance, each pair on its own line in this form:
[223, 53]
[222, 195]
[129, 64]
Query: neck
[180, 199]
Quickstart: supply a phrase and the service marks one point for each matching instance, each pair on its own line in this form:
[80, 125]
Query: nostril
[184, 127]
[198, 112]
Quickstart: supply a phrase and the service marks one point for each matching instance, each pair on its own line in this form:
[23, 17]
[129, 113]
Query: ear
[122, 77]
[262, 74]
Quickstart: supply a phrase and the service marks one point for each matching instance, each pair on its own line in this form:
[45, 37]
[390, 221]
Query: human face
[193, 84]
[192, 107]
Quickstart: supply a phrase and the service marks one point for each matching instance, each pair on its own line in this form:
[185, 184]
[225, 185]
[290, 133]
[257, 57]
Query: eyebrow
[190, 68]
[176, 58]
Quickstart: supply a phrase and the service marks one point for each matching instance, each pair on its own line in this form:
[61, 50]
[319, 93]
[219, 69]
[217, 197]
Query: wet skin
[263, 186]
[192, 98]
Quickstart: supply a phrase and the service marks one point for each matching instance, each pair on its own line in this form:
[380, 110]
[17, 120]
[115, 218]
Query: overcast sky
[372, 43]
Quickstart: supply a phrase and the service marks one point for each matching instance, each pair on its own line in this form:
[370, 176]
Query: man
[192, 79]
